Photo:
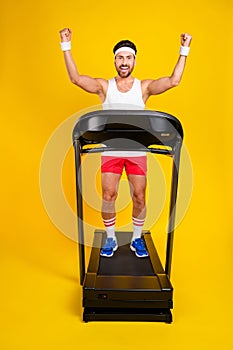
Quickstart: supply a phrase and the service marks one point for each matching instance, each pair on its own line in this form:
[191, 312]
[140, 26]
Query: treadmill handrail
[144, 127]
[110, 149]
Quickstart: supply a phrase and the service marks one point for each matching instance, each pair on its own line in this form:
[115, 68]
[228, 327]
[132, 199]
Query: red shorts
[132, 165]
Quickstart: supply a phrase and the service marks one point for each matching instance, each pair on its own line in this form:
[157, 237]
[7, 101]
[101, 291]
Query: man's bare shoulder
[104, 85]
[145, 83]
[145, 88]
[103, 82]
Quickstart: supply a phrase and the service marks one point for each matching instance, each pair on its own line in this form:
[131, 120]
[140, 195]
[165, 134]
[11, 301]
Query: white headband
[125, 48]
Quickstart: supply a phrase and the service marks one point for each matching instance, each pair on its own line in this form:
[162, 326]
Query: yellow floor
[41, 297]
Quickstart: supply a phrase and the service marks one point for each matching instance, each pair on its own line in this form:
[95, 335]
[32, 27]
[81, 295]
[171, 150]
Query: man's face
[124, 63]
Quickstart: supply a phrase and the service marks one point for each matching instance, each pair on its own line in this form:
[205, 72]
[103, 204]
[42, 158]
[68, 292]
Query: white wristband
[65, 45]
[184, 50]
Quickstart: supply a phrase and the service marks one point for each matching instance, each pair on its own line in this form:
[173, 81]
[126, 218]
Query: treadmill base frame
[138, 315]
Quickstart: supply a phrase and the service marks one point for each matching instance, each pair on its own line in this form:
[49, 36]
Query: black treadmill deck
[124, 262]
[125, 287]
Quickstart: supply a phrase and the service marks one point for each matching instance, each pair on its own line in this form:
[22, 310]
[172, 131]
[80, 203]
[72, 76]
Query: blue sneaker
[109, 248]
[138, 246]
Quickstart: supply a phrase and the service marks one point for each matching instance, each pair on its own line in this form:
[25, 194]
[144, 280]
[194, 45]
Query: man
[119, 92]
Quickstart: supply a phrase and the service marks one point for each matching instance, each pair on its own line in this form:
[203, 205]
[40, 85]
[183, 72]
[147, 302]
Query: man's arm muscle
[92, 85]
[158, 86]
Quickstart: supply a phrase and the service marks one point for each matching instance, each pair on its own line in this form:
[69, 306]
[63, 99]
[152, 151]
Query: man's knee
[109, 195]
[139, 199]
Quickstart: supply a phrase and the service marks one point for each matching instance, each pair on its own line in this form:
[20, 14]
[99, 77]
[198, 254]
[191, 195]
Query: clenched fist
[65, 34]
[185, 39]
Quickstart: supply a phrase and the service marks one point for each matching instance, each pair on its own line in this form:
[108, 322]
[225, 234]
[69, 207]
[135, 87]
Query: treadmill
[125, 287]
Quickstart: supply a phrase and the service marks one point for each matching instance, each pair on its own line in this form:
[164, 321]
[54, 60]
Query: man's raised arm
[158, 86]
[89, 84]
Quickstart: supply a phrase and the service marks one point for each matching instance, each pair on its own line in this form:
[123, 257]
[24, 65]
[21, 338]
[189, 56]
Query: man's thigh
[110, 182]
[137, 183]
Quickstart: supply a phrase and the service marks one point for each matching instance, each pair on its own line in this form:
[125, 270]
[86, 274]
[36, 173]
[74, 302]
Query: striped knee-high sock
[110, 227]
[137, 227]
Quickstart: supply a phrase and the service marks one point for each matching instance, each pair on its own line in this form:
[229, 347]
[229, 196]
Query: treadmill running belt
[124, 262]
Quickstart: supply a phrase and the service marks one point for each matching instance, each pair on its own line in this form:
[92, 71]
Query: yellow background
[40, 297]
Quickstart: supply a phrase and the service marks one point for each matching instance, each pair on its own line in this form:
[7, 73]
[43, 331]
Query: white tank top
[131, 99]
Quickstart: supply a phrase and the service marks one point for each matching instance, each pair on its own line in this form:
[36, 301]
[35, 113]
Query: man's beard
[123, 74]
